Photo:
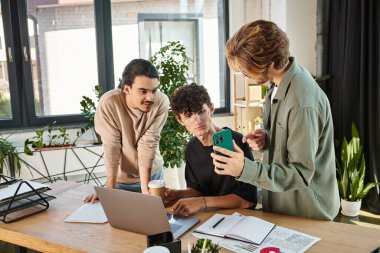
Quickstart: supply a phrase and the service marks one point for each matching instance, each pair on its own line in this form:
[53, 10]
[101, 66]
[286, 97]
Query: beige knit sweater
[130, 137]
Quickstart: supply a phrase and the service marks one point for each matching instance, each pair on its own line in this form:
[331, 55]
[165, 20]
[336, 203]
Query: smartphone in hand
[223, 139]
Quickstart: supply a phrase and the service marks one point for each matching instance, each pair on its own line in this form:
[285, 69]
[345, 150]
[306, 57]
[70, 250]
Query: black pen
[219, 221]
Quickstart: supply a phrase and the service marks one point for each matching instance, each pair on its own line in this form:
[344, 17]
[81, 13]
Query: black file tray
[27, 204]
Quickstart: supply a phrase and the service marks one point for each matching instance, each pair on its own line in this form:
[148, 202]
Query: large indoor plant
[351, 173]
[89, 109]
[172, 64]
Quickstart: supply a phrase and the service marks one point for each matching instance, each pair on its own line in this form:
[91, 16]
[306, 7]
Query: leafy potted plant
[172, 64]
[351, 174]
[9, 158]
[89, 109]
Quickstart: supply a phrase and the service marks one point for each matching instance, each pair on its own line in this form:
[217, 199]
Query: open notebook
[236, 226]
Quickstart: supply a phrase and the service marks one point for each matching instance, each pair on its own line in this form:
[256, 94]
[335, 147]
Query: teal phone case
[223, 139]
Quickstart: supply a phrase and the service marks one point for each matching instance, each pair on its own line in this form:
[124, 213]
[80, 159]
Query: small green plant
[172, 64]
[264, 90]
[37, 141]
[258, 121]
[205, 245]
[51, 137]
[351, 169]
[63, 135]
[89, 109]
[9, 158]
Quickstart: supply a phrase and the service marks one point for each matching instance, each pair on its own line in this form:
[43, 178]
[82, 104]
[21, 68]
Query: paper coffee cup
[157, 188]
[156, 249]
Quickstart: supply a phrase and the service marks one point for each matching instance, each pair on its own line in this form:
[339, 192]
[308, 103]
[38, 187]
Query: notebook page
[251, 229]
[222, 228]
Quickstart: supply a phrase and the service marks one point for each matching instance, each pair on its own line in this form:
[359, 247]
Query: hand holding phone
[223, 139]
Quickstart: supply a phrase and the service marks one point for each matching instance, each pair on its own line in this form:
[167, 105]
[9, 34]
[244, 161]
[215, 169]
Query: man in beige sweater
[129, 120]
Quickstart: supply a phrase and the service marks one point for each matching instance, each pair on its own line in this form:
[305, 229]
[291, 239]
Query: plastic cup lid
[157, 249]
[156, 184]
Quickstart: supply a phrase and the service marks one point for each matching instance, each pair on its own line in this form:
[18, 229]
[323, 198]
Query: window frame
[194, 17]
[14, 84]
[16, 37]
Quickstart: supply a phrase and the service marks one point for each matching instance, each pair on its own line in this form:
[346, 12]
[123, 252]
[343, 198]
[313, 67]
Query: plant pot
[350, 208]
[47, 148]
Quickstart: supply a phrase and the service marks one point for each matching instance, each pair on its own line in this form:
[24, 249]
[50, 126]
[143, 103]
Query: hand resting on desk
[91, 198]
[187, 206]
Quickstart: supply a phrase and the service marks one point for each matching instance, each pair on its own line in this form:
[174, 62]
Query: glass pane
[140, 28]
[63, 54]
[5, 100]
[160, 32]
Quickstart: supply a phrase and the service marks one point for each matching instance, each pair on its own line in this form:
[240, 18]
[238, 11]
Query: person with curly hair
[191, 105]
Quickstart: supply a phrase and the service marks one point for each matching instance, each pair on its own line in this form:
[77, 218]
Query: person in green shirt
[297, 173]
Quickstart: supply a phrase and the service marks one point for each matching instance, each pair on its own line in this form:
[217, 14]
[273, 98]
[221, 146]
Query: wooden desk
[46, 232]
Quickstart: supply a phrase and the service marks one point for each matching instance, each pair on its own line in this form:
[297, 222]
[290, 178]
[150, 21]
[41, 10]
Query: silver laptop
[140, 213]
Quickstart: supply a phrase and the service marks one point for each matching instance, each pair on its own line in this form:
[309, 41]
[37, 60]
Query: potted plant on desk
[351, 174]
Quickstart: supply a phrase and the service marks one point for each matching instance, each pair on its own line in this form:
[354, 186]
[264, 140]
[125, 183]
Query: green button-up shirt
[298, 171]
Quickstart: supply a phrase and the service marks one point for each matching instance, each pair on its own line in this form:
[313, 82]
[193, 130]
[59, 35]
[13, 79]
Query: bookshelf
[248, 103]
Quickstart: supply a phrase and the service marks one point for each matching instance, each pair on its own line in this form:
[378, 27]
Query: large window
[54, 52]
[63, 61]
[145, 26]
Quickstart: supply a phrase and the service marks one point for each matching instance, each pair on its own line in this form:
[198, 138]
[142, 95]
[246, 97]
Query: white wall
[301, 27]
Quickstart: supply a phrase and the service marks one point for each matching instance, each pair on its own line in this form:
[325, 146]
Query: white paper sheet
[288, 241]
[89, 213]
[9, 191]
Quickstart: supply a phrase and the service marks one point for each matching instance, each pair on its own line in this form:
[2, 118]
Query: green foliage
[37, 141]
[5, 107]
[172, 64]
[209, 246]
[264, 90]
[89, 109]
[51, 137]
[258, 121]
[9, 157]
[351, 169]
[64, 136]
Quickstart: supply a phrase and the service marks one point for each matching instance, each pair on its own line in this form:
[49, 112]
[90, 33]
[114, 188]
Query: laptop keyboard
[175, 227]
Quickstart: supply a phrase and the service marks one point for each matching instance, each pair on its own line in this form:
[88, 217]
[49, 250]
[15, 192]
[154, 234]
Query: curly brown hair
[189, 99]
[256, 46]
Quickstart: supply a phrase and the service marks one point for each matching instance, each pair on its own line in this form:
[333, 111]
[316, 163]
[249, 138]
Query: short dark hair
[137, 67]
[189, 99]
[256, 46]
